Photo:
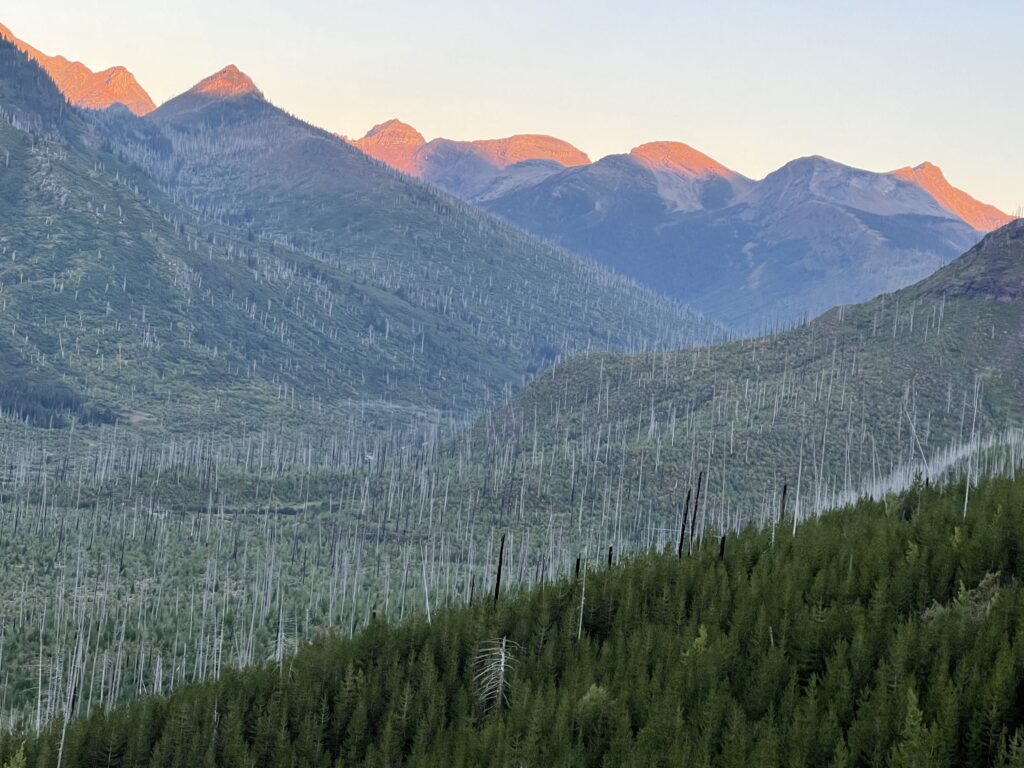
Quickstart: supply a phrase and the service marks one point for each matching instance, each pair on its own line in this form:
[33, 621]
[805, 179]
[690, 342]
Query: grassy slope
[886, 634]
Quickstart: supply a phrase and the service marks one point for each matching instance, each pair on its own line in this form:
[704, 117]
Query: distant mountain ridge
[401, 146]
[85, 88]
[467, 168]
[752, 254]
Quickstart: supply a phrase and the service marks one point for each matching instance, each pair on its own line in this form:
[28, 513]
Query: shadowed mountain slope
[754, 255]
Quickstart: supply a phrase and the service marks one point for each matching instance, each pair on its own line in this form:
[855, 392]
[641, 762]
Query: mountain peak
[83, 87]
[394, 143]
[228, 83]
[676, 157]
[931, 179]
[394, 131]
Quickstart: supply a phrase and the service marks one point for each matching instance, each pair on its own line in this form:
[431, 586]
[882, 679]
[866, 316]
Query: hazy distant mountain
[688, 180]
[85, 88]
[469, 169]
[753, 254]
[809, 236]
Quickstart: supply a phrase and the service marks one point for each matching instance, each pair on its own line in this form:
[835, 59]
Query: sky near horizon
[873, 84]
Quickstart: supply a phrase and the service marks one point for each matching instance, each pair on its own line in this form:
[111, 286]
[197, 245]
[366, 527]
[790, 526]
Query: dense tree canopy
[885, 634]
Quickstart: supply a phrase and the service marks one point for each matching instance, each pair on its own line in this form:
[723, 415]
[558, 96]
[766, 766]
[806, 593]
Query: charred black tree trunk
[497, 576]
[682, 528]
[696, 504]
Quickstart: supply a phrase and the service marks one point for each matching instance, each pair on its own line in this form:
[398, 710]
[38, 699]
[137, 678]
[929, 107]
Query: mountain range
[751, 254]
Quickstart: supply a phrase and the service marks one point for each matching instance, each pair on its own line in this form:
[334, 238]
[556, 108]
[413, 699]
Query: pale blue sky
[753, 84]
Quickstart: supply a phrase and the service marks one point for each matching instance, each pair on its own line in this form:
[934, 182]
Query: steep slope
[930, 178]
[85, 88]
[884, 634]
[130, 306]
[367, 292]
[752, 254]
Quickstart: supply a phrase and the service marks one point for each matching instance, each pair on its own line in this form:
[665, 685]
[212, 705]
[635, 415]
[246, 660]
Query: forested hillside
[888, 634]
[268, 540]
[829, 408]
[138, 308]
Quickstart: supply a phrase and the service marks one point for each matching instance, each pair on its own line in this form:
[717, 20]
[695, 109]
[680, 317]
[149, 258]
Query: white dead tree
[494, 664]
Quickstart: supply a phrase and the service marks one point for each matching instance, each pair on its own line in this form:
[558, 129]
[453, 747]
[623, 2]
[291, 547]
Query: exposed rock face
[402, 147]
[930, 178]
[688, 180]
[818, 178]
[394, 143]
[678, 158]
[85, 88]
[228, 83]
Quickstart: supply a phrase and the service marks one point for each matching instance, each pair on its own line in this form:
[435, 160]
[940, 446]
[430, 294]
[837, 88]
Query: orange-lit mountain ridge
[470, 169]
[85, 88]
[930, 178]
